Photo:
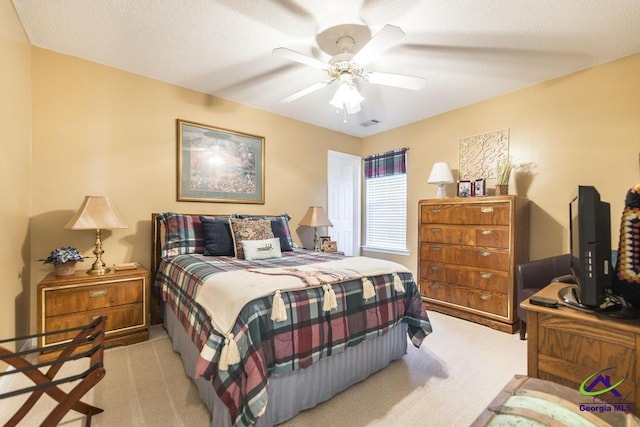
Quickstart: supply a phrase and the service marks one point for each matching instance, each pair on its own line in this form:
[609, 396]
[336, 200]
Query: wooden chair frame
[91, 337]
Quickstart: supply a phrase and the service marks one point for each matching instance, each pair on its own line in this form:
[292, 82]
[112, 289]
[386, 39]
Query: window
[386, 202]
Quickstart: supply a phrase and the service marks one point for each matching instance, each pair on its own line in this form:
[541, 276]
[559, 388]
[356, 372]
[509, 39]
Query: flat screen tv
[590, 241]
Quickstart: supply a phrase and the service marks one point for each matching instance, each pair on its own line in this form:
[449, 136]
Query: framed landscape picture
[219, 165]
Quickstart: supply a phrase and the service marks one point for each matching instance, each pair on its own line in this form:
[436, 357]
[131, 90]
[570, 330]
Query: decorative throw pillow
[218, 240]
[626, 280]
[279, 226]
[261, 249]
[248, 229]
[183, 234]
[279, 231]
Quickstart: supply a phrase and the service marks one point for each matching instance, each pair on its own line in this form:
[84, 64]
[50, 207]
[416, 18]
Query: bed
[273, 334]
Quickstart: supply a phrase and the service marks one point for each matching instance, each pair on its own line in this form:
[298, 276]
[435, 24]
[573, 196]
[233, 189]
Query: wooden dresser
[72, 301]
[468, 250]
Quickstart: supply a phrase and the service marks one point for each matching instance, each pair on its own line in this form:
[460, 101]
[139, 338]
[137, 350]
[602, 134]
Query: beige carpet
[448, 382]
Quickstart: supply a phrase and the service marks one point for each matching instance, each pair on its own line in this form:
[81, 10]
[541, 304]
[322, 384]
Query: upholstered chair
[534, 275]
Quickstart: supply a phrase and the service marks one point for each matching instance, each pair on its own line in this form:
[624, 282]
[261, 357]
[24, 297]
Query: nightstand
[72, 301]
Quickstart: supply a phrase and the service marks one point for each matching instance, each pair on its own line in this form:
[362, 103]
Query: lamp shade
[440, 174]
[96, 212]
[316, 217]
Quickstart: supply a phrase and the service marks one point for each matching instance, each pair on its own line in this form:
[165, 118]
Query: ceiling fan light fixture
[347, 96]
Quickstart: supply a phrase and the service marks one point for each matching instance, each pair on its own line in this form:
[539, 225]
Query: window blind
[386, 201]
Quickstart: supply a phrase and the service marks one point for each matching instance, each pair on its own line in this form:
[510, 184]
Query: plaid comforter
[308, 335]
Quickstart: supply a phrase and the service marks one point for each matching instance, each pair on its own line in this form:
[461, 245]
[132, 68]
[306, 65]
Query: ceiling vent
[369, 123]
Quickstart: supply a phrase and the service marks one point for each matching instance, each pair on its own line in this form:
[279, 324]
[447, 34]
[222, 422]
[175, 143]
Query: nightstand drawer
[100, 295]
[119, 319]
[74, 301]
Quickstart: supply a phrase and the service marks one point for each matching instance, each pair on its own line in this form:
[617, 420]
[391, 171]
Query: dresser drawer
[491, 280]
[82, 298]
[119, 318]
[472, 256]
[471, 213]
[475, 299]
[492, 236]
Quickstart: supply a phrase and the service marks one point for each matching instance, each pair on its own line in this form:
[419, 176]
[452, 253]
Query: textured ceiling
[468, 50]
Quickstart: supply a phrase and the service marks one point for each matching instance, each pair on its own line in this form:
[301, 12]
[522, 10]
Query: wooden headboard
[156, 245]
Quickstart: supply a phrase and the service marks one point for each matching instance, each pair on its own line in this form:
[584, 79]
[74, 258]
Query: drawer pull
[485, 253]
[92, 318]
[436, 210]
[486, 275]
[435, 285]
[486, 232]
[486, 209]
[435, 267]
[485, 297]
[436, 230]
[97, 294]
[435, 248]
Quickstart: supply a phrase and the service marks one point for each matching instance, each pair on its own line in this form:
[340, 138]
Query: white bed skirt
[291, 393]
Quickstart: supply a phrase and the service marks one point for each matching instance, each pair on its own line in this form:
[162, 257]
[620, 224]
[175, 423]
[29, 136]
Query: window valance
[386, 164]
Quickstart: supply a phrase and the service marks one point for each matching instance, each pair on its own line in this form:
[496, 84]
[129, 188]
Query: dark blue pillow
[218, 240]
[279, 231]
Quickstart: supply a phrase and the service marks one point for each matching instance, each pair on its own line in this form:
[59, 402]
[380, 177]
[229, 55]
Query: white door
[343, 206]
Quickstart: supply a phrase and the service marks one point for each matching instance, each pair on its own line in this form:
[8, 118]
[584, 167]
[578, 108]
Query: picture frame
[324, 239]
[480, 187]
[219, 165]
[465, 189]
[329, 246]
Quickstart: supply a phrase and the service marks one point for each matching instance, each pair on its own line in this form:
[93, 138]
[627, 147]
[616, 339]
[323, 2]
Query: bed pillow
[182, 234]
[218, 240]
[248, 229]
[261, 249]
[279, 226]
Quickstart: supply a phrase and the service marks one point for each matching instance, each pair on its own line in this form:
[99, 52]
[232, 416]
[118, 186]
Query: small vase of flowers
[64, 260]
[503, 173]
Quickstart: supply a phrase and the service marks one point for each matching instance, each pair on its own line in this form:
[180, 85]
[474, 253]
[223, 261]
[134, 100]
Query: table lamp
[441, 175]
[96, 213]
[316, 217]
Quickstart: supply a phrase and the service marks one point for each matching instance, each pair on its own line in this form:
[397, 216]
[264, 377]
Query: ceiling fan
[353, 49]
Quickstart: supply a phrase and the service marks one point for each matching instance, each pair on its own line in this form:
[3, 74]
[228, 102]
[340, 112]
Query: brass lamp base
[98, 267]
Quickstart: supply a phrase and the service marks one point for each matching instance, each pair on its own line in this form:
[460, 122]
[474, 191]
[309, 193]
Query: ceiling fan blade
[306, 91]
[388, 36]
[303, 59]
[396, 80]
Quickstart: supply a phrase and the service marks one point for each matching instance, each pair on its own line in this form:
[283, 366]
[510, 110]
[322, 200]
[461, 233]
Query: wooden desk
[567, 346]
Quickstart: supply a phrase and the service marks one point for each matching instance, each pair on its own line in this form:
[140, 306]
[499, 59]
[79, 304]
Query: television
[590, 247]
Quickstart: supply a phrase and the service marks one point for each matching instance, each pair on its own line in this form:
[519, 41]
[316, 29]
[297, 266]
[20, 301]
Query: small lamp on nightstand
[316, 217]
[441, 175]
[96, 213]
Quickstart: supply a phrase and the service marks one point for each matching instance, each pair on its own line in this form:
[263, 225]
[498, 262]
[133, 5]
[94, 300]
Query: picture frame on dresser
[465, 189]
[480, 187]
[329, 246]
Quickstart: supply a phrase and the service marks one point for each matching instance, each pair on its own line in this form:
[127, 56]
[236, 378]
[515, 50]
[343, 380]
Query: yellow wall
[98, 130]
[15, 174]
[580, 129]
